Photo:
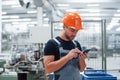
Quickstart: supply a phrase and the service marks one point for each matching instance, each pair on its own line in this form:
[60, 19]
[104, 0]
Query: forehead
[71, 28]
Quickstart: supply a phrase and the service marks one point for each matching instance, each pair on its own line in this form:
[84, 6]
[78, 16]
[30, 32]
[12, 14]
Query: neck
[62, 36]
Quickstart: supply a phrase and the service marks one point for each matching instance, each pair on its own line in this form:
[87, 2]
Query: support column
[104, 67]
[0, 25]
[39, 16]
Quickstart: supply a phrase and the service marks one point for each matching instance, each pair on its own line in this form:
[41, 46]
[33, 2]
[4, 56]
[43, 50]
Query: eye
[72, 30]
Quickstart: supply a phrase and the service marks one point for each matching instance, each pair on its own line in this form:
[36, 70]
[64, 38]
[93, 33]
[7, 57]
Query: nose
[74, 33]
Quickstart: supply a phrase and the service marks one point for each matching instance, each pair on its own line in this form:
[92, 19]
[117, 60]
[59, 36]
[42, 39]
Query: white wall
[40, 34]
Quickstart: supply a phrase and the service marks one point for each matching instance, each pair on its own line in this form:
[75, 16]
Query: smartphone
[86, 50]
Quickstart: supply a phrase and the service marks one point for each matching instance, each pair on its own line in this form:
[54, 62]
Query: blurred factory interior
[26, 25]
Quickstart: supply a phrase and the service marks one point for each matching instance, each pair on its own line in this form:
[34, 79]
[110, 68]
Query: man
[63, 55]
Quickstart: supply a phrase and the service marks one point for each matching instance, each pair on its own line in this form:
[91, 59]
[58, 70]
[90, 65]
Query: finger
[83, 56]
[77, 50]
[76, 54]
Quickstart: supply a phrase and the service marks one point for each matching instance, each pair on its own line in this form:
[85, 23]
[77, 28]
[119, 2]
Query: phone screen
[86, 50]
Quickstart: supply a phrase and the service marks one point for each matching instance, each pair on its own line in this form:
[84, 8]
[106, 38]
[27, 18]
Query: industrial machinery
[31, 70]
[24, 70]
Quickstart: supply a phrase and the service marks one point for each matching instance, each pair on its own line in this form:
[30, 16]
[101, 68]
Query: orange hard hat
[72, 20]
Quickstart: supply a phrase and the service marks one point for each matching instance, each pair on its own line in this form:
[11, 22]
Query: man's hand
[83, 56]
[73, 53]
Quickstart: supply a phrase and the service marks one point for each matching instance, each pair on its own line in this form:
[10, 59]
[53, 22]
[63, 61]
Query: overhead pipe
[50, 8]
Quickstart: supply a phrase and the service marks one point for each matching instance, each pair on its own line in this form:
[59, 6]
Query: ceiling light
[89, 1]
[31, 25]
[93, 5]
[118, 29]
[15, 16]
[14, 20]
[114, 21]
[70, 10]
[26, 1]
[116, 14]
[45, 24]
[4, 12]
[44, 15]
[116, 18]
[92, 18]
[32, 11]
[82, 10]
[63, 5]
[46, 19]
[33, 22]
[118, 10]
[10, 2]
[92, 14]
[15, 6]
[93, 10]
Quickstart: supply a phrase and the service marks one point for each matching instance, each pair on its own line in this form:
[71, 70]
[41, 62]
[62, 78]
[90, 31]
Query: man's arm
[82, 63]
[51, 65]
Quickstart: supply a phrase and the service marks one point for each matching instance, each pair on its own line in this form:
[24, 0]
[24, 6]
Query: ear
[64, 27]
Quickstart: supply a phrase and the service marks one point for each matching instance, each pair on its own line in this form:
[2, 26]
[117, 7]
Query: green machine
[2, 69]
[23, 71]
[3, 74]
[8, 77]
[31, 73]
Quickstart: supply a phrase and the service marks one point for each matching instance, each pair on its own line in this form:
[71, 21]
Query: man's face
[70, 33]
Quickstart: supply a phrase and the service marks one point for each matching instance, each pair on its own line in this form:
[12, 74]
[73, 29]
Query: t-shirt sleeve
[50, 48]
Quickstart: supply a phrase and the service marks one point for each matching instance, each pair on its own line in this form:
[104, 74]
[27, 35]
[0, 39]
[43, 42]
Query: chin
[71, 38]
